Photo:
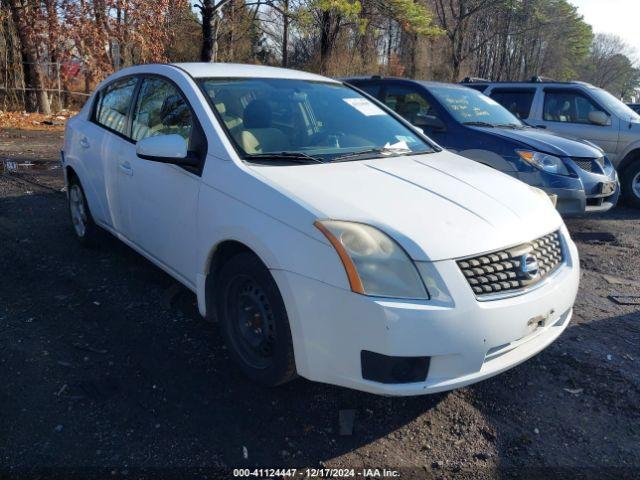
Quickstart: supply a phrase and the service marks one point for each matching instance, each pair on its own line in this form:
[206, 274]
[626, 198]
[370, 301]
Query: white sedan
[328, 237]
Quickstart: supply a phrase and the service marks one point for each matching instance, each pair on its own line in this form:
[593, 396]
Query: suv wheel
[254, 321]
[631, 184]
[83, 225]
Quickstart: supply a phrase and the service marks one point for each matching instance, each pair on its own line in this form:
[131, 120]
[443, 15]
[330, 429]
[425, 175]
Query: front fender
[629, 155]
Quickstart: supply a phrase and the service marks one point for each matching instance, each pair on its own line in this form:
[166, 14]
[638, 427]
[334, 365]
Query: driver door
[566, 112]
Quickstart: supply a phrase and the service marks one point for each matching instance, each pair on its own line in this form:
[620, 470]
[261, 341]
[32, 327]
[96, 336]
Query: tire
[631, 184]
[254, 321]
[87, 232]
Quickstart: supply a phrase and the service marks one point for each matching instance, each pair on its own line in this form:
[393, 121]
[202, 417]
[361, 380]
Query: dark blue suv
[471, 124]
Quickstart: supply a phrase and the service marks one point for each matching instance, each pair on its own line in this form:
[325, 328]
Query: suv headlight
[544, 161]
[375, 264]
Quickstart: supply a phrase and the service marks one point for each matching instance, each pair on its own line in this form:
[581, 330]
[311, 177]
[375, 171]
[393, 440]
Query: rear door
[566, 111]
[162, 198]
[112, 144]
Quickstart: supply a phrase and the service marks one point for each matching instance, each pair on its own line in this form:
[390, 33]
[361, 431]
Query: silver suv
[580, 110]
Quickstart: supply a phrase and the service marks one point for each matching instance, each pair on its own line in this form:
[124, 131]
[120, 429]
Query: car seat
[257, 134]
[551, 110]
[565, 112]
[409, 110]
[230, 109]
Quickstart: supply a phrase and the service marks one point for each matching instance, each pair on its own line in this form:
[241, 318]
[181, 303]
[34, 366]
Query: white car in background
[327, 236]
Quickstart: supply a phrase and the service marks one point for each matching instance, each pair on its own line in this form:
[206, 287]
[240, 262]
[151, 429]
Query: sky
[620, 17]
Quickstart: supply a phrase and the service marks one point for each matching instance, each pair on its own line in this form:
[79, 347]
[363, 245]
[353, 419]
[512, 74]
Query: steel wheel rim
[78, 211]
[635, 185]
[252, 322]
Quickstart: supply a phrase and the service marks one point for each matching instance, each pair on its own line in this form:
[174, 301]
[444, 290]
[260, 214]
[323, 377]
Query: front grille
[595, 165]
[513, 269]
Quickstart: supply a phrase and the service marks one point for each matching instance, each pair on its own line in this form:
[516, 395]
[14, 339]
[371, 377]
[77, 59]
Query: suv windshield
[468, 106]
[614, 105]
[306, 121]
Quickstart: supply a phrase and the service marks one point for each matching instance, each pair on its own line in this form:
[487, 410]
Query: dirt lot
[107, 369]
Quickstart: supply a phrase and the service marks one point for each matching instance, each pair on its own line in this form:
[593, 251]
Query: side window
[517, 102]
[372, 89]
[568, 107]
[161, 110]
[113, 104]
[409, 103]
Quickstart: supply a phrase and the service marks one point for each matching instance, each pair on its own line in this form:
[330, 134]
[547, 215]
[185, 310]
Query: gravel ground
[107, 369]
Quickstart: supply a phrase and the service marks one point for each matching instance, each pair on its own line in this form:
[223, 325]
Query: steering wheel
[326, 138]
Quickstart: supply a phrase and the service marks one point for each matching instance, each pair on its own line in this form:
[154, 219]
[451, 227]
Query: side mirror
[599, 118]
[165, 149]
[431, 123]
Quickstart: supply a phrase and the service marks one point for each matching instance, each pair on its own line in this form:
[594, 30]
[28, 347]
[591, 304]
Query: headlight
[543, 161]
[375, 264]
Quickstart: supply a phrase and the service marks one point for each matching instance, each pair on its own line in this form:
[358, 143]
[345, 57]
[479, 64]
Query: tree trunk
[285, 33]
[53, 34]
[37, 98]
[408, 42]
[209, 31]
[325, 42]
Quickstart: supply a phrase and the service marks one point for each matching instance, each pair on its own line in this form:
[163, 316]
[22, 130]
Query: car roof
[525, 84]
[222, 70]
[424, 83]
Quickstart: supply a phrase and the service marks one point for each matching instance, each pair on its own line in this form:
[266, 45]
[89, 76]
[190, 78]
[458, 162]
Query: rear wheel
[254, 321]
[86, 230]
[631, 184]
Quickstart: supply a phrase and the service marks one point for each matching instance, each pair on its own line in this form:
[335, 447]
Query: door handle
[125, 167]
[84, 143]
[541, 126]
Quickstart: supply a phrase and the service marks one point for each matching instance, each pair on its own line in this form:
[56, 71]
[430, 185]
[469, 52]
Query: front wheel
[83, 225]
[254, 321]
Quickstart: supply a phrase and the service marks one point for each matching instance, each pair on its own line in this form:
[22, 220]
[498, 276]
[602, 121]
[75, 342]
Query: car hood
[548, 142]
[437, 206]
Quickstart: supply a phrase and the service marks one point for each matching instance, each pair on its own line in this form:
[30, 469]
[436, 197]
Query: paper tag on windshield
[401, 145]
[364, 106]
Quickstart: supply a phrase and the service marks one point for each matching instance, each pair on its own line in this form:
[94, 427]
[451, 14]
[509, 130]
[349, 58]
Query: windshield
[287, 120]
[468, 106]
[612, 104]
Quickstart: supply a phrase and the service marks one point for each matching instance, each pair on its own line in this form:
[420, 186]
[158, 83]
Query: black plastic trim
[393, 370]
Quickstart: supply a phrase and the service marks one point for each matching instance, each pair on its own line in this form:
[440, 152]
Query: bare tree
[210, 10]
[455, 18]
[609, 59]
[37, 98]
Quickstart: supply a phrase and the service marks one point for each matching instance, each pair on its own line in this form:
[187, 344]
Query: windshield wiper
[295, 157]
[515, 126]
[380, 151]
[478, 124]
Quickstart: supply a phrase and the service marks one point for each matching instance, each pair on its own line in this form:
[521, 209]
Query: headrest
[221, 108]
[257, 115]
[411, 107]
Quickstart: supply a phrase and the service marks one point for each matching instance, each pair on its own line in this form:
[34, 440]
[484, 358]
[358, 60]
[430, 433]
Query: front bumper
[577, 202]
[578, 194]
[467, 340]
